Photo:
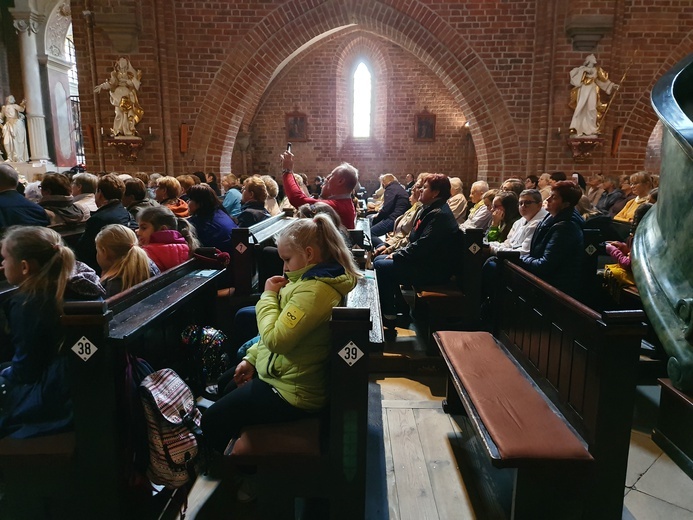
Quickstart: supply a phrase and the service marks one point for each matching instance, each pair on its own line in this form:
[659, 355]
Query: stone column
[27, 27]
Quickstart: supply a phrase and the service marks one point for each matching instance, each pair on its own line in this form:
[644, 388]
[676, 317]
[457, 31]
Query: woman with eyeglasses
[641, 185]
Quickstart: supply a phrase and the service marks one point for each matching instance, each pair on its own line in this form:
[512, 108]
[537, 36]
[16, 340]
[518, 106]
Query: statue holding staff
[588, 81]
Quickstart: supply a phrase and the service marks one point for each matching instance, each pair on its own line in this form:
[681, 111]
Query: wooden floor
[418, 463]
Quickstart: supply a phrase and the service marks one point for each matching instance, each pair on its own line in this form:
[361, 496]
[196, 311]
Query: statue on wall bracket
[588, 81]
[123, 85]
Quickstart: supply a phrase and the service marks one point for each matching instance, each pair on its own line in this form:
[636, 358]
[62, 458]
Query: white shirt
[520, 235]
[481, 219]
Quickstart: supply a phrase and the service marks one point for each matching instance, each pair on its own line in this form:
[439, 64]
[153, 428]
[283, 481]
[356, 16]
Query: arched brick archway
[245, 75]
[642, 119]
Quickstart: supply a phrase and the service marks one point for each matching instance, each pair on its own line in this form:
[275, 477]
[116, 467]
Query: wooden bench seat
[37, 450]
[520, 426]
[550, 397]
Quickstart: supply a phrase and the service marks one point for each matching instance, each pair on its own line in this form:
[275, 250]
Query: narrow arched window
[362, 101]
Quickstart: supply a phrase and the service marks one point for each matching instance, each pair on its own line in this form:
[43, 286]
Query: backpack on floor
[173, 428]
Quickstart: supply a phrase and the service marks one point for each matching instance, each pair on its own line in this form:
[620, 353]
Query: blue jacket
[232, 202]
[16, 210]
[556, 252]
[38, 397]
[395, 202]
[214, 231]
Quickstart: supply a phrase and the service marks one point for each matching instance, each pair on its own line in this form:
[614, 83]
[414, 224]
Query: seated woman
[56, 199]
[556, 252]
[36, 398]
[395, 203]
[271, 204]
[620, 274]
[626, 195]
[253, 202]
[232, 198]
[430, 256]
[212, 224]
[135, 198]
[168, 240]
[168, 192]
[504, 214]
[212, 182]
[399, 236]
[641, 185]
[283, 376]
[123, 262]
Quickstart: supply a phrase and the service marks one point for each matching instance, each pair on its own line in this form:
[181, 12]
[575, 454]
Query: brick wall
[503, 66]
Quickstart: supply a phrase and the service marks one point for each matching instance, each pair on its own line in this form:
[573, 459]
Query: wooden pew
[458, 301]
[78, 474]
[325, 456]
[247, 244]
[550, 395]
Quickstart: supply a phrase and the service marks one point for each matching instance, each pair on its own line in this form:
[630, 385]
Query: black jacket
[112, 212]
[395, 202]
[251, 213]
[432, 250]
[556, 252]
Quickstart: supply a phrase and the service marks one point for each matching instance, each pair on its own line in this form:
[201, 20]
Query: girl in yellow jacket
[283, 376]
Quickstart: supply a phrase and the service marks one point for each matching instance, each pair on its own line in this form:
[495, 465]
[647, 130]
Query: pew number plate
[84, 348]
[351, 353]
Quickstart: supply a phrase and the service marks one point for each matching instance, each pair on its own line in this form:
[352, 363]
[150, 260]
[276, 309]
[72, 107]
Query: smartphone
[288, 147]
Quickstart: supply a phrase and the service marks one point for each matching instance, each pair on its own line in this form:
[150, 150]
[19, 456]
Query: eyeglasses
[527, 202]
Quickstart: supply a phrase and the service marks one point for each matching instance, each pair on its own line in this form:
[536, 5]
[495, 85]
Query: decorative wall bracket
[582, 147]
[585, 31]
[128, 147]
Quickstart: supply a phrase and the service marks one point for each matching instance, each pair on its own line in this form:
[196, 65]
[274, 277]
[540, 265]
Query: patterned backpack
[173, 428]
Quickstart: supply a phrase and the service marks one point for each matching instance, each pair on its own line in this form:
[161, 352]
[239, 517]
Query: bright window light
[362, 101]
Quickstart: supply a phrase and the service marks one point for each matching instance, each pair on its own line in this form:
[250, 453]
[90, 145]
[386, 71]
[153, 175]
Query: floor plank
[436, 434]
[414, 492]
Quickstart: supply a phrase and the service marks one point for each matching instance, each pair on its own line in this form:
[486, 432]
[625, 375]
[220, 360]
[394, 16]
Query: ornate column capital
[25, 25]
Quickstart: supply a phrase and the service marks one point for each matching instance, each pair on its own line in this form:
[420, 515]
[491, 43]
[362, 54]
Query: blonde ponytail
[130, 261]
[51, 261]
[321, 233]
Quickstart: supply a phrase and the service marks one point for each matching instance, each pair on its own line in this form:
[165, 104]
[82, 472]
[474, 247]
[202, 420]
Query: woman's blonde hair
[44, 249]
[257, 187]
[386, 179]
[161, 216]
[271, 186]
[171, 185]
[321, 233]
[130, 261]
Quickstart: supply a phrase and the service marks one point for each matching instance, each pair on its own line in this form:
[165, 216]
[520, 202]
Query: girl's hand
[498, 216]
[275, 283]
[244, 373]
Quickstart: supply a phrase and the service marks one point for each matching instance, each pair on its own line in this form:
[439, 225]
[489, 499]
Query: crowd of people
[137, 226]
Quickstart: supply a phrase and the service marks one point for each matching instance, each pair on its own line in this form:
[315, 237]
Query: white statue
[14, 131]
[123, 86]
[587, 81]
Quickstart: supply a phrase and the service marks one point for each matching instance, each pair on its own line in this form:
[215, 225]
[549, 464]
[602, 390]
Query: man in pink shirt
[336, 190]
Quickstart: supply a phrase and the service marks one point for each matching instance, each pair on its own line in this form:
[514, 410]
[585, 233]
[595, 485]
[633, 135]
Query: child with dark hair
[168, 240]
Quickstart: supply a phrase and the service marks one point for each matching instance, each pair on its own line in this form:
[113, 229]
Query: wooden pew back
[585, 362]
